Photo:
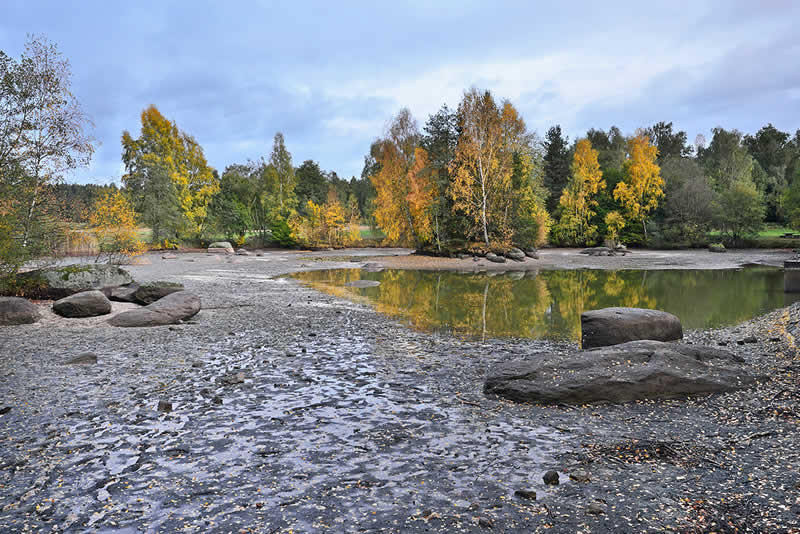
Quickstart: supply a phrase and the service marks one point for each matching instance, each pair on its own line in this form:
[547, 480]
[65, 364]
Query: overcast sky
[329, 75]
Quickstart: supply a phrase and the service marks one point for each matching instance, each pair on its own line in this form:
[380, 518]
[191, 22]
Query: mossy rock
[58, 282]
[716, 247]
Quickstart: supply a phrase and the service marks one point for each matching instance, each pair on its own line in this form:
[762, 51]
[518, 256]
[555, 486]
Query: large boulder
[220, 247]
[515, 254]
[149, 292]
[84, 304]
[14, 310]
[58, 282]
[611, 326]
[171, 309]
[491, 256]
[626, 372]
[124, 293]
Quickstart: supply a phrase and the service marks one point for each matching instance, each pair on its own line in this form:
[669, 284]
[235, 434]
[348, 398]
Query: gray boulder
[611, 326]
[14, 310]
[243, 252]
[59, 282]
[84, 304]
[124, 293]
[515, 254]
[171, 309]
[491, 256]
[532, 253]
[220, 247]
[597, 251]
[626, 372]
[149, 292]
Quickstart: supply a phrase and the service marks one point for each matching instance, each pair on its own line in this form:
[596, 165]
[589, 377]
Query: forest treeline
[471, 177]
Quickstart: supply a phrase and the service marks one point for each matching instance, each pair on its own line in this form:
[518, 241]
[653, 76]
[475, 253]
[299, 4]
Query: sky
[330, 75]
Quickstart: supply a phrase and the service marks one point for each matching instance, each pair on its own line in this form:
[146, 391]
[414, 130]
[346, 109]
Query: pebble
[596, 508]
[551, 477]
[164, 406]
[579, 476]
[526, 494]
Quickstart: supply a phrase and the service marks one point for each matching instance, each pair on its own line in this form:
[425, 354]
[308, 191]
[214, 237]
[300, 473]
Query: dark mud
[294, 411]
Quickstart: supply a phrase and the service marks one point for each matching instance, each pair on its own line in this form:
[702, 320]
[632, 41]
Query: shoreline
[329, 411]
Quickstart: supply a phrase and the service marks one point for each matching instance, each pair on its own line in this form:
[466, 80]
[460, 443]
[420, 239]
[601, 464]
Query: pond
[548, 304]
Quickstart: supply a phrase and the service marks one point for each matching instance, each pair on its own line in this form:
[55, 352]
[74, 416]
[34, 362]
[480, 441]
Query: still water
[548, 304]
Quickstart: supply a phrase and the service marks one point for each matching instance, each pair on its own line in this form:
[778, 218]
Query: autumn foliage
[113, 224]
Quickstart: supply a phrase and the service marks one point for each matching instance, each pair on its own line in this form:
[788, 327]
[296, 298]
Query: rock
[750, 339]
[243, 252]
[59, 282]
[526, 494]
[486, 523]
[5, 409]
[149, 292]
[629, 371]
[169, 256]
[611, 326]
[363, 283]
[515, 254]
[491, 256]
[597, 251]
[551, 478]
[231, 379]
[164, 406]
[532, 253]
[463, 256]
[171, 309]
[15, 310]
[124, 293]
[220, 247]
[716, 247]
[85, 304]
[87, 358]
[579, 475]
[372, 267]
[217, 399]
[596, 508]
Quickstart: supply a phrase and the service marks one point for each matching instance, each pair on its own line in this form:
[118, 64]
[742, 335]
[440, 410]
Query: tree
[440, 141]
[482, 169]
[667, 142]
[556, 166]
[163, 148]
[42, 137]
[688, 200]
[740, 210]
[285, 181]
[578, 199]
[113, 223]
[772, 151]
[725, 160]
[311, 184]
[403, 183]
[642, 185]
[611, 147]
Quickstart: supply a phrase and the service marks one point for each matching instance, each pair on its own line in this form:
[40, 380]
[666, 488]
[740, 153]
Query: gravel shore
[286, 410]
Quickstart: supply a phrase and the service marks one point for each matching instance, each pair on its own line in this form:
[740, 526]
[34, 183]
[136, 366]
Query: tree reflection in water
[548, 304]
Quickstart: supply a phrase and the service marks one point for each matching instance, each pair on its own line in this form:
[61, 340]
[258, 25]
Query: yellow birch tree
[642, 185]
[579, 197]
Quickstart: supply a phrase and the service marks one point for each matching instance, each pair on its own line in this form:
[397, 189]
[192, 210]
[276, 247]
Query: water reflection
[548, 304]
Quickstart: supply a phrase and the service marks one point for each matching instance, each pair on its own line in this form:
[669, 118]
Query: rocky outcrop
[532, 253]
[14, 310]
[171, 309]
[149, 292]
[59, 282]
[630, 371]
[220, 247]
[611, 326]
[84, 304]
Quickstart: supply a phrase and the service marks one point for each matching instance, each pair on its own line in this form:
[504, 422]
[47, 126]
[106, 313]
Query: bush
[282, 234]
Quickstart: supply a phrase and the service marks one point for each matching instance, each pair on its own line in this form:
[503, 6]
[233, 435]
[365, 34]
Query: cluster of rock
[619, 250]
[627, 355]
[515, 254]
[87, 291]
